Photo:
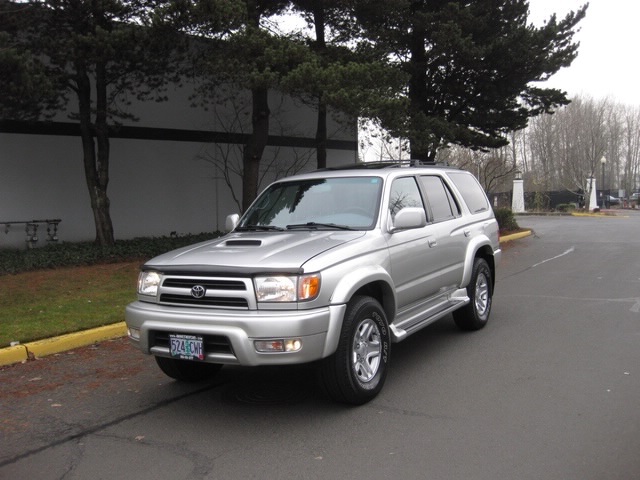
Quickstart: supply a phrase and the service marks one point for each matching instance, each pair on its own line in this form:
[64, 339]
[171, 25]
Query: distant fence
[538, 200]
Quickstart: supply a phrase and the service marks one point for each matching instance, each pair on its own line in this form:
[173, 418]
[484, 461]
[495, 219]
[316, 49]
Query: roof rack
[379, 164]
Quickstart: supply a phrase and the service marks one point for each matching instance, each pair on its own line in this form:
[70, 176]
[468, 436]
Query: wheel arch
[374, 282]
[480, 248]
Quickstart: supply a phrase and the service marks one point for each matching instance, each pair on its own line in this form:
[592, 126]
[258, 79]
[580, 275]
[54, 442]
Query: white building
[162, 178]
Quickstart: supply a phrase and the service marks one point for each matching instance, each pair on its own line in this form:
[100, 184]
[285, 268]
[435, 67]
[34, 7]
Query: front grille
[208, 283]
[222, 302]
[212, 343]
[220, 292]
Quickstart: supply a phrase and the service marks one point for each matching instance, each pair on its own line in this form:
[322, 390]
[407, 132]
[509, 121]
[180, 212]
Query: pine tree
[475, 68]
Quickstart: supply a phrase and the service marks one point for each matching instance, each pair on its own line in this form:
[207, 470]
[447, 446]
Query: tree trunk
[255, 145]
[321, 135]
[96, 165]
[321, 47]
[420, 138]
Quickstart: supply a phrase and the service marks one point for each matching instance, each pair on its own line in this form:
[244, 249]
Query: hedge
[88, 253]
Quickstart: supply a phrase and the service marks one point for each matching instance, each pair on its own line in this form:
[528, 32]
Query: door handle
[432, 242]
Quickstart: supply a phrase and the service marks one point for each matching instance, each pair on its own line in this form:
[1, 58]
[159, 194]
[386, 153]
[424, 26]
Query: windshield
[345, 203]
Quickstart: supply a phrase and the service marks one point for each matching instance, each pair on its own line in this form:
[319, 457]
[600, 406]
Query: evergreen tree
[342, 70]
[474, 67]
[95, 52]
[249, 57]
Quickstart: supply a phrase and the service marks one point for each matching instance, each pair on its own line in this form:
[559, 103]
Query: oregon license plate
[186, 347]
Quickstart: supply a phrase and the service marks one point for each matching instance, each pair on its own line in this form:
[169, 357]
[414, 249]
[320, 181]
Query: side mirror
[409, 217]
[231, 222]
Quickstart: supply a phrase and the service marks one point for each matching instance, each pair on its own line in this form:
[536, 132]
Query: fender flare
[476, 244]
[355, 280]
[347, 288]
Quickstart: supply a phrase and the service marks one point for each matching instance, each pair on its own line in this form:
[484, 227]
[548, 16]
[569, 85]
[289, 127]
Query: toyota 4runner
[331, 267]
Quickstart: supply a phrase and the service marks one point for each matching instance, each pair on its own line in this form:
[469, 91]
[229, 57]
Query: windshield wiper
[265, 228]
[316, 226]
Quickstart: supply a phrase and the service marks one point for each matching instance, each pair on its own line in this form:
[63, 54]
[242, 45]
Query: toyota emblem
[198, 291]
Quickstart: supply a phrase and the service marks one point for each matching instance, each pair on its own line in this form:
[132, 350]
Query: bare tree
[614, 153]
[377, 144]
[492, 168]
[231, 112]
[631, 149]
[543, 146]
[563, 151]
[566, 147]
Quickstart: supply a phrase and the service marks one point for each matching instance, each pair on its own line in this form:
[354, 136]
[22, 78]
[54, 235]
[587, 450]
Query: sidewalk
[42, 348]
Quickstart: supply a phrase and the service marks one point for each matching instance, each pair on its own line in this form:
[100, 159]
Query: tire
[187, 370]
[475, 314]
[356, 372]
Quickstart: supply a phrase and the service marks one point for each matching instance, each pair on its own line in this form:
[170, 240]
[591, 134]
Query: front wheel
[475, 314]
[357, 370]
[187, 370]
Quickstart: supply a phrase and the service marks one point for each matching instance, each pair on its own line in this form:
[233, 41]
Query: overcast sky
[608, 63]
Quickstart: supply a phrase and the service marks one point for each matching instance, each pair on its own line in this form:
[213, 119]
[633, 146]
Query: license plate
[186, 347]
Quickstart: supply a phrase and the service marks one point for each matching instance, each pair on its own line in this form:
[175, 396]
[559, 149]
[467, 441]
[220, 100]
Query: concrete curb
[63, 343]
[515, 236]
[601, 214]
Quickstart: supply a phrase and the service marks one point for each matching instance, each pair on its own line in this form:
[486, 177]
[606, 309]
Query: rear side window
[440, 199]
[471, 191]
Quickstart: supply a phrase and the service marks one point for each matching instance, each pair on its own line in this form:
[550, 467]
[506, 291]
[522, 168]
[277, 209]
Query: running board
[456, 300]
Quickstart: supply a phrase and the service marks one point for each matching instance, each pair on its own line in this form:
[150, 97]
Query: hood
[270, 250]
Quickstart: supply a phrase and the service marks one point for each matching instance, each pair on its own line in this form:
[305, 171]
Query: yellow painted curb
[599, 215]
[42, 348]
[574, 214]
[515, 236]
[13, 354]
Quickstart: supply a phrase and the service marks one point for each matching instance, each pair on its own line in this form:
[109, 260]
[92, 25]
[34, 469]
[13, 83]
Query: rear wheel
[475, 314]
[187, 370]
[356, 372]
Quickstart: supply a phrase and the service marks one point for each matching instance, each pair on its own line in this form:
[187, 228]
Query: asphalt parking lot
[548, 390]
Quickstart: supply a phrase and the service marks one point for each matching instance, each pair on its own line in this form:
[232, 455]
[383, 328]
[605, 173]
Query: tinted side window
[471, 191]
[404, 193]
[439, 198]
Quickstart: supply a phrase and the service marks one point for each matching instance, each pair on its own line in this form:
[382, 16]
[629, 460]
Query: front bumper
[230, 335]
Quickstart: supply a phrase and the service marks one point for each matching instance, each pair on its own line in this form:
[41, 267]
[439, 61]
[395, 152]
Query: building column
[517, 202]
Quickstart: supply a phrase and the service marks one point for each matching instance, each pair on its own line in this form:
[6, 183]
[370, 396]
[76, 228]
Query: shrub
[506, 219]
[565, 207]
[88, 253]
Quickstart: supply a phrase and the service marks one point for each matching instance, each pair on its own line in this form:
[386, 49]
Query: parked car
[634, 196]
[611, 200]
[329, 267]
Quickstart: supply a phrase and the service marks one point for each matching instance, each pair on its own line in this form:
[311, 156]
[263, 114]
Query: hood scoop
[243, 243]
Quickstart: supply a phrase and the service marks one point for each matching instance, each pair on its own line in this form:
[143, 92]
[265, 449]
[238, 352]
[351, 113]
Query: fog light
[278, 345]
[293, 345]
[134, 333]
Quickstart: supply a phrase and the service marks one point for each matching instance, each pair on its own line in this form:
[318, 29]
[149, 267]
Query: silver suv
[330, 267]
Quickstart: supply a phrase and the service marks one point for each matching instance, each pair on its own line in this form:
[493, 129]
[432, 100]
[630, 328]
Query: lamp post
[602, 162]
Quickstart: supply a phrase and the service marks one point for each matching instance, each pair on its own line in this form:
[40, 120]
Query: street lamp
[602, 162]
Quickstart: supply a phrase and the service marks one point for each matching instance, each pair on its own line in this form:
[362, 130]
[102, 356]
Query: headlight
[148, 283]
[280, 288]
